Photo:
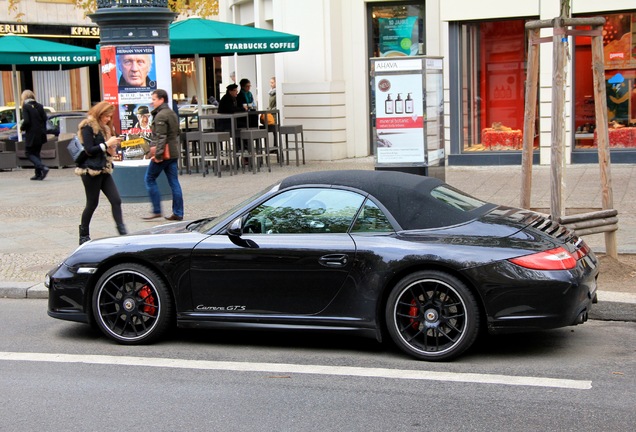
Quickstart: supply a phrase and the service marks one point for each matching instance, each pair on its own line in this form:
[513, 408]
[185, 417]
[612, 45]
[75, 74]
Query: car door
[292, 258]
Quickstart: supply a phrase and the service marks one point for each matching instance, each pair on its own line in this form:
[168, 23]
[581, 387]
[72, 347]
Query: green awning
[201, 36]
[28, 51]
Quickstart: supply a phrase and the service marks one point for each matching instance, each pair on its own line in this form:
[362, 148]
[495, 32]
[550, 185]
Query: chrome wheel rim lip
[126, 311]
[435, 311]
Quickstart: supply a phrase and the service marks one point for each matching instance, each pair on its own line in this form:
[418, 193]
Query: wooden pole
[530, 114]
[602, 134]
[557, 164]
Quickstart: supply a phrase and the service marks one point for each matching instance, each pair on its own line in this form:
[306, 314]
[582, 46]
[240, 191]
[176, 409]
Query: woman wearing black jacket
[95, 166]
[34, 127]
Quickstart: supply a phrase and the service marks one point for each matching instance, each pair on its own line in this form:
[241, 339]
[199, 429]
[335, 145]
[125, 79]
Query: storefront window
[397, 29]
[493, 74]
[619, 57]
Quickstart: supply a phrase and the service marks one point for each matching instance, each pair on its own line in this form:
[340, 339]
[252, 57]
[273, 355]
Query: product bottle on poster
[408, 104]
[388, 105]
[399, 104]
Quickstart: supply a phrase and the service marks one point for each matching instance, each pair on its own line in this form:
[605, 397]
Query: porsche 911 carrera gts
[374, 252]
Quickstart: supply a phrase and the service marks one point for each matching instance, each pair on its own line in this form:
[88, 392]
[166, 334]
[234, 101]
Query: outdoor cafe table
[234, 131]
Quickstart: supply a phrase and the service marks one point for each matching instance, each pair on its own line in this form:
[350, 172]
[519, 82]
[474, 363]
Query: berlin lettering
[14, 28]
[259, 46]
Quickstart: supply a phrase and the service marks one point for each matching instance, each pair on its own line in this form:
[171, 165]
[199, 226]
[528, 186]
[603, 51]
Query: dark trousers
[92, 186]
[33, 154]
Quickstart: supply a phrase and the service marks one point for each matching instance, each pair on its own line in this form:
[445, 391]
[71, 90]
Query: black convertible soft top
[406, 196]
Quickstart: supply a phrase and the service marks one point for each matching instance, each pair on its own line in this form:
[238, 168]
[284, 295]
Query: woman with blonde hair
[95, 165]
[34, 127]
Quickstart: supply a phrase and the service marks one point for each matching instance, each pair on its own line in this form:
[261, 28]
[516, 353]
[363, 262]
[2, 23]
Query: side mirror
[236, 228]
[234, 232]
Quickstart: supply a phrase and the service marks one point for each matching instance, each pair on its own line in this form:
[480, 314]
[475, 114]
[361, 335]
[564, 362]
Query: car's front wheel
[432, 316]
[131, 304]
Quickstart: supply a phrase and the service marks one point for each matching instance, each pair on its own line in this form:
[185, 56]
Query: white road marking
[281, 368]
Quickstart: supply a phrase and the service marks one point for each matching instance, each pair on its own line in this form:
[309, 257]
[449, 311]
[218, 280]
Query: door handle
[334, 260]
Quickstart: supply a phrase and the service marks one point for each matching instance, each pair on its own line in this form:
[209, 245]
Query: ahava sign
[407, 64]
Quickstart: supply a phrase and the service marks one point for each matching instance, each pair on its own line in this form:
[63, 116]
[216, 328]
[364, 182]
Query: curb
[611, 306]
[23, 290]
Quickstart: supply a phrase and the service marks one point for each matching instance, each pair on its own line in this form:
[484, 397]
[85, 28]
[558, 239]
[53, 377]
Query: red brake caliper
[413, 313]
[146, 295]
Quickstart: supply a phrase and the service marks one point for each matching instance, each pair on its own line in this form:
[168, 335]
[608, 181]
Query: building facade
[326, 85]
[57, 21]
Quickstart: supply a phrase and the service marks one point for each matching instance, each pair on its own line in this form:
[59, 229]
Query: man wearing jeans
[165, 140]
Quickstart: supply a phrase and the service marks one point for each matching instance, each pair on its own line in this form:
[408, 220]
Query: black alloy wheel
[131, 304]
[432, 316]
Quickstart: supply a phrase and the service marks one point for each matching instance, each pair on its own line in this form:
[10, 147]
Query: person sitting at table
[245, 97]
[229, 105]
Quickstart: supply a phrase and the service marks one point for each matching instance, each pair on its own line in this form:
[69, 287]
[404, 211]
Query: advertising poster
[130, 73]
[136, 80]
[399, 113]
[398, 36]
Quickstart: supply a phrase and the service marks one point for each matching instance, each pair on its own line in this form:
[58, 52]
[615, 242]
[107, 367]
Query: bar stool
[294, 130]
[257, 148]
[276, 147]
[192, 141]
[217, 148]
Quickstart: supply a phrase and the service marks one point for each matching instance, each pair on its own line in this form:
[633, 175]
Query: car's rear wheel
[131, 304]
[432, 316]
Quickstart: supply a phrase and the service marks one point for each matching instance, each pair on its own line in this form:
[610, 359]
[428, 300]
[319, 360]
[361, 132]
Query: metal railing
[105, 4]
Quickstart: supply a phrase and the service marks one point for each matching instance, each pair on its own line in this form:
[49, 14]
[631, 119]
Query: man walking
[34, 127]
[164, 139]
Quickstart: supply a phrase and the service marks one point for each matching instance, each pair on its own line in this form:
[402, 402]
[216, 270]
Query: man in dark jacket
[165, 134]
[34, 127]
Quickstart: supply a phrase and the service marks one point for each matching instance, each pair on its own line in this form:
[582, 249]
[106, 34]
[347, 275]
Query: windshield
[211, 224]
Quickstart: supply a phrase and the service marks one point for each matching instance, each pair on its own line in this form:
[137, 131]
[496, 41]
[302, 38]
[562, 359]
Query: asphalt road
[57, 375]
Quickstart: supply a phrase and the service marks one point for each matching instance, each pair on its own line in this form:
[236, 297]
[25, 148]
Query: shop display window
[619, 57]
[397, 29]
[493, 74]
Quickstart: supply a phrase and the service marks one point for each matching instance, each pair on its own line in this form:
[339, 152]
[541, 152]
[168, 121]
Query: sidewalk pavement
[40, 218]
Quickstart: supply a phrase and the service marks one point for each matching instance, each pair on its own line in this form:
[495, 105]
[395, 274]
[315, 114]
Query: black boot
[84, 235]
[121, 229]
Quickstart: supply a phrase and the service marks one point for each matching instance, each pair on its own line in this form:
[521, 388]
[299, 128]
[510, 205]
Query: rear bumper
[518, 299]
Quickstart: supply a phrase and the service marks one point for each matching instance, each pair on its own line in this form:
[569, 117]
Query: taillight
[582, 250]
[553, 259]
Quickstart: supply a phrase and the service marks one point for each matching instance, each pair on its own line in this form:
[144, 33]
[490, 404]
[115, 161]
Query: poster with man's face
[135, 68]
[136, 120]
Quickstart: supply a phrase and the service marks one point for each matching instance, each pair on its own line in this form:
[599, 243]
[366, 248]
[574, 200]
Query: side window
[304, 211]
[372, 219]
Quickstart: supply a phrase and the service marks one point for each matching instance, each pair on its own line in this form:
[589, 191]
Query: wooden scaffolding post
[561, 26]
[557, 157]
[532, 83]
[602, 134]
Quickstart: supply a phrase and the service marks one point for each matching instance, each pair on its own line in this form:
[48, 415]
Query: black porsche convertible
[375, 252]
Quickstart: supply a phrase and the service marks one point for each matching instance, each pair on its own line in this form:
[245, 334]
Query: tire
[132, 305]
[432, 316]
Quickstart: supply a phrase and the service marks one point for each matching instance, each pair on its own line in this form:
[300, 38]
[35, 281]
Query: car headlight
[47, 281]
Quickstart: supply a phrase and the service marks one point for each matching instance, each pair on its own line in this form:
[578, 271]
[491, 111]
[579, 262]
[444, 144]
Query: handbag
[267, 119]
[75, 148]
[166, 152]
